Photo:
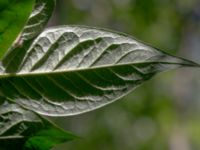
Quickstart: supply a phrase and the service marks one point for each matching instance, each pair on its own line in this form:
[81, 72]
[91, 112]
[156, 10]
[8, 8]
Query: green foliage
[48, 138]
[66, 71]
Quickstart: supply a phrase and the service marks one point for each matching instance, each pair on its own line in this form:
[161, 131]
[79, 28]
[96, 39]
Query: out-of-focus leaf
[23, 129]
[13, 16]
[70, 70]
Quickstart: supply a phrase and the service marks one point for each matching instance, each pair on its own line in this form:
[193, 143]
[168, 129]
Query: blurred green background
[163, 114]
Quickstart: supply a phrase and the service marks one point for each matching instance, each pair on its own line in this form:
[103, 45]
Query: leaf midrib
[10, 137]
[7, 75]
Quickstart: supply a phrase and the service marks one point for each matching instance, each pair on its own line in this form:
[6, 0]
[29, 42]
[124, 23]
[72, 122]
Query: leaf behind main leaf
[23, 129]
[12, 20]
[38, 19]
[72, 69]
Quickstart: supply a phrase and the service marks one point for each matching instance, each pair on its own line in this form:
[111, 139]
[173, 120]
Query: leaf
[70, 70]
[16, 121]
[39, 17]
[48, 138]
[13, 18]
[23, 129]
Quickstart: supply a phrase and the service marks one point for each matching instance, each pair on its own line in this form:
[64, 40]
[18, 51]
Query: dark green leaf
[13, 18]
[71, 70]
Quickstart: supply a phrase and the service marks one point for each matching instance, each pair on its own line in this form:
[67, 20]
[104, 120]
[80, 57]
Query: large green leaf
[13, 16]
[71, 69]
[37, 20]
[23, 129]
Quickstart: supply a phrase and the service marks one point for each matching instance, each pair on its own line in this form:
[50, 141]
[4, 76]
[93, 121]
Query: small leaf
[42, 12]
[71, 70]
[23, 129]
[47, 139]
[13, 18]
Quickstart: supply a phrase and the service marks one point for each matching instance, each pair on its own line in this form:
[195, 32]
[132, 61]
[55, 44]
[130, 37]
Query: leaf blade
[71, 70]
